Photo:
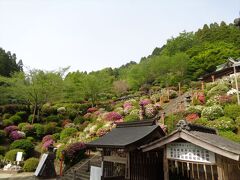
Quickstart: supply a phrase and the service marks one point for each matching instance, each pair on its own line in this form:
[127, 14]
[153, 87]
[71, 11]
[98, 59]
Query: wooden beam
[161, 142]
[165, 164]
[115, 159]
[190, 138]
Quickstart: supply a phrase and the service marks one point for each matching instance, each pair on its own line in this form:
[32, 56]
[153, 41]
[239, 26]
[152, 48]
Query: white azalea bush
[212, 112]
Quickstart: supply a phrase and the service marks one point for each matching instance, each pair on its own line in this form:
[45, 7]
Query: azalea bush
[230, 135]
[212, 112]
[28, 130]
[219, 89]
[112, 116]
[9, 129]
[74, 153]
[232, 111]
[11, 155]
[15, 135]
[195, 109]
[145, 102]
[67, 132]
[201, 121]
[30, 165]
[16, 119]
[21, 125]
[222, 123]
[39, 129]
[150, 111]
[192, 117]
[24, 144]
[131, 117]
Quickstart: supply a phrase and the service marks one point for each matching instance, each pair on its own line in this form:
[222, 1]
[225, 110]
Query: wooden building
[197, 152]
[221, 71]
[121, 156]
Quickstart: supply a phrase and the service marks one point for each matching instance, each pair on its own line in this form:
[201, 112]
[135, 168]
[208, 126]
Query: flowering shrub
[119, 110]
[61, 110]
[21, 125]
[224, 99]
[201, 98]
[102, 131]
[92, 110]
[87, 116]
[15, 135]
[112, 116]
[50, 128]
[212, 112]
[195, 109]
[9, 129]
[150, 110]
[46, 138]
[223, 123]
[70, 125]
[155, 97]
[219, 89]
[47, 144]
[158, 106]
[145, 102]
[29, 130]
[192, 117]
[66, 121]
[74, 153]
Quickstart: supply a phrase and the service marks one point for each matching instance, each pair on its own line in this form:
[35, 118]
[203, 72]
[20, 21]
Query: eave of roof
[122, 138]
[207, 141]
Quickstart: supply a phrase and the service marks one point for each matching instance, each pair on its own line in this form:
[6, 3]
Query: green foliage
[222, 123]
[8, 64]
[16, 119]
[201, 121]
[230, 135]
[220, 89]
[50, 128]
[131, 117]
[52, 118]
[6, 116]
[2, 150]
[212, 112]
[59, 151]
[21, 125]
[22, 114]
[56, 136]
[67, 132]
[79, 120]
[2, 135]
[11, 155]
[24, 144]
[30, 165]
[232, 111]
[7, 122]
[194, 109]
[39, 129]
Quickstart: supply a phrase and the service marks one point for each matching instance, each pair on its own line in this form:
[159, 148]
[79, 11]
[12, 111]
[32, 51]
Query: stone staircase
[81, 170]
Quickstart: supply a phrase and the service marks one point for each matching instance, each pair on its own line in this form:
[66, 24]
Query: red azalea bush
[15, 135]
[201, 98]
[87, 116]
[92, 109]
[224, 99]
[192, 117]
[112, 116]
[9, 129]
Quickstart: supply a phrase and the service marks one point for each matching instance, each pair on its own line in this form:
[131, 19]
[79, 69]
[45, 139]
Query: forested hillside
[66, 109]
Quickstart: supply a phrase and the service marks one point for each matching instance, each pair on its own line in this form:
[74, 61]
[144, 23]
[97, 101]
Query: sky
[90, 35]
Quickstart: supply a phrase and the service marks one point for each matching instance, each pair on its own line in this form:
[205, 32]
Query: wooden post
[203, 86]
[179, 89]
[213, 78]
[219, 167]
[165, 164]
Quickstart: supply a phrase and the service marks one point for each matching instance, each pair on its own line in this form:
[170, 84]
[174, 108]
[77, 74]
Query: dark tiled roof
[218, 141]
[126, 134]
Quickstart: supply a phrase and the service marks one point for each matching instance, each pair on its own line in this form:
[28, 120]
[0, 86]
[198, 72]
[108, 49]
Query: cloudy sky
[92, 34]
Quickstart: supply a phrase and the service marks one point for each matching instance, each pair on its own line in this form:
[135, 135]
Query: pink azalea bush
[112, 116]
[15, 135]
[48, 143]
[74, 149]
[9, 129]
[145, 102]
[47, 138]
[150, 110]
